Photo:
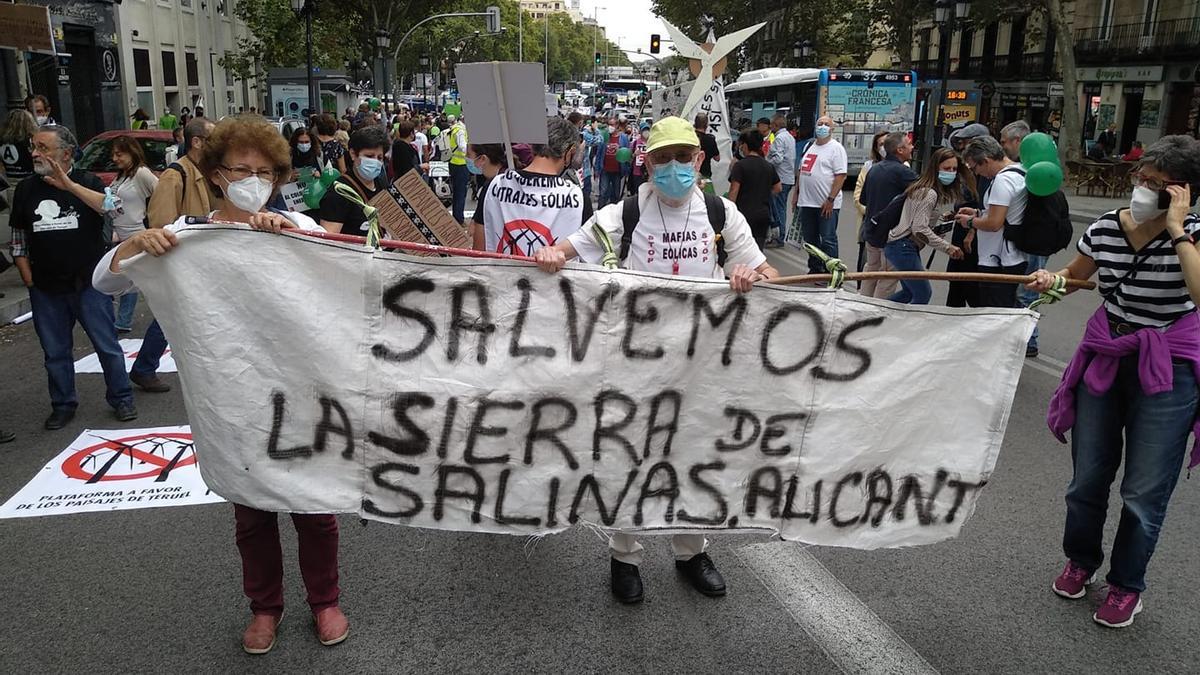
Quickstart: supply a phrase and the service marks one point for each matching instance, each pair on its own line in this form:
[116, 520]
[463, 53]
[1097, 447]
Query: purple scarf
[1099, 354]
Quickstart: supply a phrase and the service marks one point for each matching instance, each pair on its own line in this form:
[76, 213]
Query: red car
[97, 154]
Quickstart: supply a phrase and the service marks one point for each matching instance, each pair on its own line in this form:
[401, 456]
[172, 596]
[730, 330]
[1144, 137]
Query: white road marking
[848, 632]
[1047, 365]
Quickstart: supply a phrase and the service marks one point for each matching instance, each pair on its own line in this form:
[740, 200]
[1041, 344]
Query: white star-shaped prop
[708, 58]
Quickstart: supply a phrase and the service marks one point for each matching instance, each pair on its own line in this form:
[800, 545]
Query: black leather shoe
[125, 412]
[626, 582]
[702, 574]
[150, 383]
[59, 419]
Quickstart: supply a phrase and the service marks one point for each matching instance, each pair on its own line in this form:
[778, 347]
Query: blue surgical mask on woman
[473, 169]
[304, 148]
[674, 179]
[947, 177]
[369, 167]
[822, 130]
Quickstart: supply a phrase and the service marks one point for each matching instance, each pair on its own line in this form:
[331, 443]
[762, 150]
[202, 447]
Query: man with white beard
[58, 237]
[669, 227]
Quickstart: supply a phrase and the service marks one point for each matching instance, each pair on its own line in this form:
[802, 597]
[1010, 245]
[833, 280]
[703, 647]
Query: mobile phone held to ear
[1164, 198]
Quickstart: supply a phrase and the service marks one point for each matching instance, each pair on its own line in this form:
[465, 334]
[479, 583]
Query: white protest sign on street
[114, 470]
[293, 197]
[670, 101]
[130, 347]
[503, 102]
[488, 396]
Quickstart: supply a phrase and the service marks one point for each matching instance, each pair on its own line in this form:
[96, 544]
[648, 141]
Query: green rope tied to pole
[1056, 292]
[834, 266]
[610, 259]
[372, 213]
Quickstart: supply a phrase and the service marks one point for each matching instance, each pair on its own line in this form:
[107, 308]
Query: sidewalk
[1085, 210]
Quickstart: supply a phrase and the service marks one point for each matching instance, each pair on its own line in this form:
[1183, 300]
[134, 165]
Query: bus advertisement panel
[864, 102]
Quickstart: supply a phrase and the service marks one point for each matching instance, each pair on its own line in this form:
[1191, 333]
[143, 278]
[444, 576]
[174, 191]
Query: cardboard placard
[26, 28]
[523, 102]
[410, 211]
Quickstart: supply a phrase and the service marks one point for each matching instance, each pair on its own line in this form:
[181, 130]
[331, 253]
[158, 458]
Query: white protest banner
[130, 347]
[670, 100]
[464, 394]
[114, 470]
[293, 197]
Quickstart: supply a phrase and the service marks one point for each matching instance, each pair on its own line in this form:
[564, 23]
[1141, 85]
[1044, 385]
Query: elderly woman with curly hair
[1130, 392]
[247, 161]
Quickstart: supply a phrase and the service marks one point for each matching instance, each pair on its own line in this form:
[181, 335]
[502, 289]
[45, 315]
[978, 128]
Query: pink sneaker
[1073, 581]
[1119, 608]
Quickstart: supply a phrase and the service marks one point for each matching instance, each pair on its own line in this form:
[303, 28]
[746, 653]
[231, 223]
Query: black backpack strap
[631, 213]
[716, 219]
[182, 177]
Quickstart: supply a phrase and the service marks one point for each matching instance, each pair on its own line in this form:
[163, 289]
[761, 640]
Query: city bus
[862, 102]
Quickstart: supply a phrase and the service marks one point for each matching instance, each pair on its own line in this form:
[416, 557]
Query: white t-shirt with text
[1007, 189]
[818, 168]
[525, 211]
[667, 234]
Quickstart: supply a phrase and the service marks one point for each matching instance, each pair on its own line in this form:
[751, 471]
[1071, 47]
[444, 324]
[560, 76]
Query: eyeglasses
[683, 156]
[41, 148]
[1138, 180]
[244, 172]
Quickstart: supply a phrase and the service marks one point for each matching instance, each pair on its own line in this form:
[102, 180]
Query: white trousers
[626, 548]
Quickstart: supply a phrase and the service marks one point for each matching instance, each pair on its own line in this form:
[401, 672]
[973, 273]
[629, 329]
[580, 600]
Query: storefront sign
[25, 28]
[1054, 89]
[1024, 100]
[956, 114]
[1120, 74]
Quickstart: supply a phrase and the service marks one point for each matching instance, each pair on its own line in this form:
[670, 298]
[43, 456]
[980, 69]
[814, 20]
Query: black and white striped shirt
[1155, 294]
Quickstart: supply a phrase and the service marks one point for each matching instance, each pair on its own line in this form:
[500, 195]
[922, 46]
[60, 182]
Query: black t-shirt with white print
[1155, 294]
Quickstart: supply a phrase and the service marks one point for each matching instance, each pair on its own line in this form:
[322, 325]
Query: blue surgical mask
[674, 179]
[947, 177]
[304, 148]
[822, 130]
[369, 167]
[472, 168]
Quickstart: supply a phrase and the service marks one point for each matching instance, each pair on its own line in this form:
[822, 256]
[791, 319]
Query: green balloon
[329, 176]
[1043, 179]
[373, 103]
[1038, 147]
[313, 193]
[604, 135]
[624, 155]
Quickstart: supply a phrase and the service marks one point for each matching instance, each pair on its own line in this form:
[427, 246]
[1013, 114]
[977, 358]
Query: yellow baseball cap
[671, 131]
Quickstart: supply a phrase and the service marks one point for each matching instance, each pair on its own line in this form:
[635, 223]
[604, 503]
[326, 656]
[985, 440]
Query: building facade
[171, 52]
[540, 9]
[82, 80]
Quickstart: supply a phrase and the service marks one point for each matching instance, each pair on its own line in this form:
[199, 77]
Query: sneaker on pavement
[1031, 352]
[149, 383]
[7, 436]
[1073, 581]
[259, 637]
[332, 626]
[1119, 608]
[125, 412]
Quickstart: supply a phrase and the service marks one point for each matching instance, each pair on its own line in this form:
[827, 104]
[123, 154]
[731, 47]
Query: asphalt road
[159, 589]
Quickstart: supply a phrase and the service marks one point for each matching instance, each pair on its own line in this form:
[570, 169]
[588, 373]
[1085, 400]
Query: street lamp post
[423, 61]
[802, 51]
[947, 13]
[304, 9]
[383, 40]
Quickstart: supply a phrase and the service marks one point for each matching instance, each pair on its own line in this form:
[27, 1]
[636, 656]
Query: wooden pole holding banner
[503, 116]
[928, 276]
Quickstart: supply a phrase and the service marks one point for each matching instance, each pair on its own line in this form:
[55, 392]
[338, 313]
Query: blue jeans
[125, 306]
[610, 189]
[459, 178]
[904, 255]
[154, 345]
[1036, 262]
[1156, 429]
[779, 209]
[54, 317]
[820, 232]
[587, 187]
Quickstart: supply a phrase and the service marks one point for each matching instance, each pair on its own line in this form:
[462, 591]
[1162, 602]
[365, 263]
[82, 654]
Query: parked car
[288, 125]
[96, 156]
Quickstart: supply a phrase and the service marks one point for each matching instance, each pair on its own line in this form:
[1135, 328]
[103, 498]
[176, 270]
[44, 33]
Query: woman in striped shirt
[1132, 383]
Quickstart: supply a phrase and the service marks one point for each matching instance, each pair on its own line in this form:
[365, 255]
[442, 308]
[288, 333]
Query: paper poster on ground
[114, 470]
[131, 347]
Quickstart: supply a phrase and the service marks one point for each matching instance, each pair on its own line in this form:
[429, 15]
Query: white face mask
[1143, 204]
[42, 119]
[249, 194]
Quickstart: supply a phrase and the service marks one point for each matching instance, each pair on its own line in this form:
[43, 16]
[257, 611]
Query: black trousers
[999, 295]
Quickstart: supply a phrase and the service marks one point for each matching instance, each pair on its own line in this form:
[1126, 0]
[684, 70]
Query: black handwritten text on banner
[488, 396]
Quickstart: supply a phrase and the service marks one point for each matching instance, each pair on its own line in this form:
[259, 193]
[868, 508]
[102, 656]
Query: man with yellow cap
[671, 227]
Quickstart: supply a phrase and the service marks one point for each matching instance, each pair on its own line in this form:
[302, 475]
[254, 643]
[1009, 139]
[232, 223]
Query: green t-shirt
[168, 122]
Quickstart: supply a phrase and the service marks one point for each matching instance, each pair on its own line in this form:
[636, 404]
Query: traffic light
[493, 19]
[655, 43]
[597, 58]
